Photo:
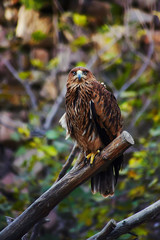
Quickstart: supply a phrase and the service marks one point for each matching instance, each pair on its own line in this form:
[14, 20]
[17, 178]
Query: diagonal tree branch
[127, 224]
[77, 175]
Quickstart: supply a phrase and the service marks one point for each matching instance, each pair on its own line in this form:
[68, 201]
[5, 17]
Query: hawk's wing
[107, 118]
[106, 113]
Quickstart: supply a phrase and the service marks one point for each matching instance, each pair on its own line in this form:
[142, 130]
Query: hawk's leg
[91, 156]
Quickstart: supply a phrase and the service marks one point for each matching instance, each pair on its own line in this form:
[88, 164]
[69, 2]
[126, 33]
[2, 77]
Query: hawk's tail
[104, 182]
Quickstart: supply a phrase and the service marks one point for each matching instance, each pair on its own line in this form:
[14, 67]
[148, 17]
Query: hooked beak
[79, 75]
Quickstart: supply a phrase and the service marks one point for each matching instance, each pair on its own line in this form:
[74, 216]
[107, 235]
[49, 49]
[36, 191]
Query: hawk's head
[80, 75]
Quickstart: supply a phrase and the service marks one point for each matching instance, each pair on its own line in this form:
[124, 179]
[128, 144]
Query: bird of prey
[93, 120]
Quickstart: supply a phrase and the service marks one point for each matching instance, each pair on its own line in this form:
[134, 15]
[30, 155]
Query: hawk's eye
[74, 73]
[85, 73]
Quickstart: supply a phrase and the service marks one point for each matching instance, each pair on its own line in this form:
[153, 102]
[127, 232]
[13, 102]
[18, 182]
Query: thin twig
[92, 61]
[58, 5]
[110, 63]
[25, 84]
[140, 71]
[37, 132]
[143, 109]
[69, 161]
[146, 60]
[141, 55]
[36, 228]
[51, 115]
[8, 126]
[108, 228]
[25, 237]
[9, 219]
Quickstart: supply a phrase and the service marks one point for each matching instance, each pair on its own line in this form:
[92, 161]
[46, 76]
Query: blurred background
[40, 41]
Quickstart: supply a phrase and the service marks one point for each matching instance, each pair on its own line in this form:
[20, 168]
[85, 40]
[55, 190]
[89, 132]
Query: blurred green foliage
[35, 4]
[38, 36]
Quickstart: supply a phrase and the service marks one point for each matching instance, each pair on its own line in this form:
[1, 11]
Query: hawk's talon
[91, 156]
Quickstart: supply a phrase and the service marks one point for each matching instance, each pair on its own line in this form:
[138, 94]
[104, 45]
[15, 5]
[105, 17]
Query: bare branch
[140, 71]
[93, 59]
[69, 161]
[58, 5]
[141, 55]
[127, 224]
[9, 219]
[25, 84]
[77, 175]
[105, 231]
[36, 228]
[54, 109]
[8, 126]
[140, 113]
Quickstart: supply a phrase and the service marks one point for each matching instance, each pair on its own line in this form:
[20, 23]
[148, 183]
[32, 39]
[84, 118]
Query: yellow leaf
[24, 131]
[135, 162]
[79, 19]
[156, 118]
[137, 192]
[126, 106]
[133, 174]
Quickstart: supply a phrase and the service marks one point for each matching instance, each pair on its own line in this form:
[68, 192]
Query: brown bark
[77, 175]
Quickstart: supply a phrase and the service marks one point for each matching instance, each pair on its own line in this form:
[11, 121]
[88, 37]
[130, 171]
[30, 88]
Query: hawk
[93, 120]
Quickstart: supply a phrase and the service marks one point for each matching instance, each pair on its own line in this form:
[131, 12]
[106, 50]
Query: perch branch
[127, 224]
[77, 175]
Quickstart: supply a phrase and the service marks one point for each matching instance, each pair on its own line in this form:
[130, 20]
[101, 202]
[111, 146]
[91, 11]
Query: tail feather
[117, 166]
[104, 182]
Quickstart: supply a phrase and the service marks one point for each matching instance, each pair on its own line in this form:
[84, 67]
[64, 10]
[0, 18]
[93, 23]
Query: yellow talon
[91, 156]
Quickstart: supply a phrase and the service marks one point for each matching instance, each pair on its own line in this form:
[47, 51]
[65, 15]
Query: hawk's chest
[80, 123]
[78, 108]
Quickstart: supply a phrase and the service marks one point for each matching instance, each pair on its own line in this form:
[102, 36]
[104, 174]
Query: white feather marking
[84, 132]
[63, 123]
[90, 138]
[93, 136]
[90, 110]
[75, 109]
